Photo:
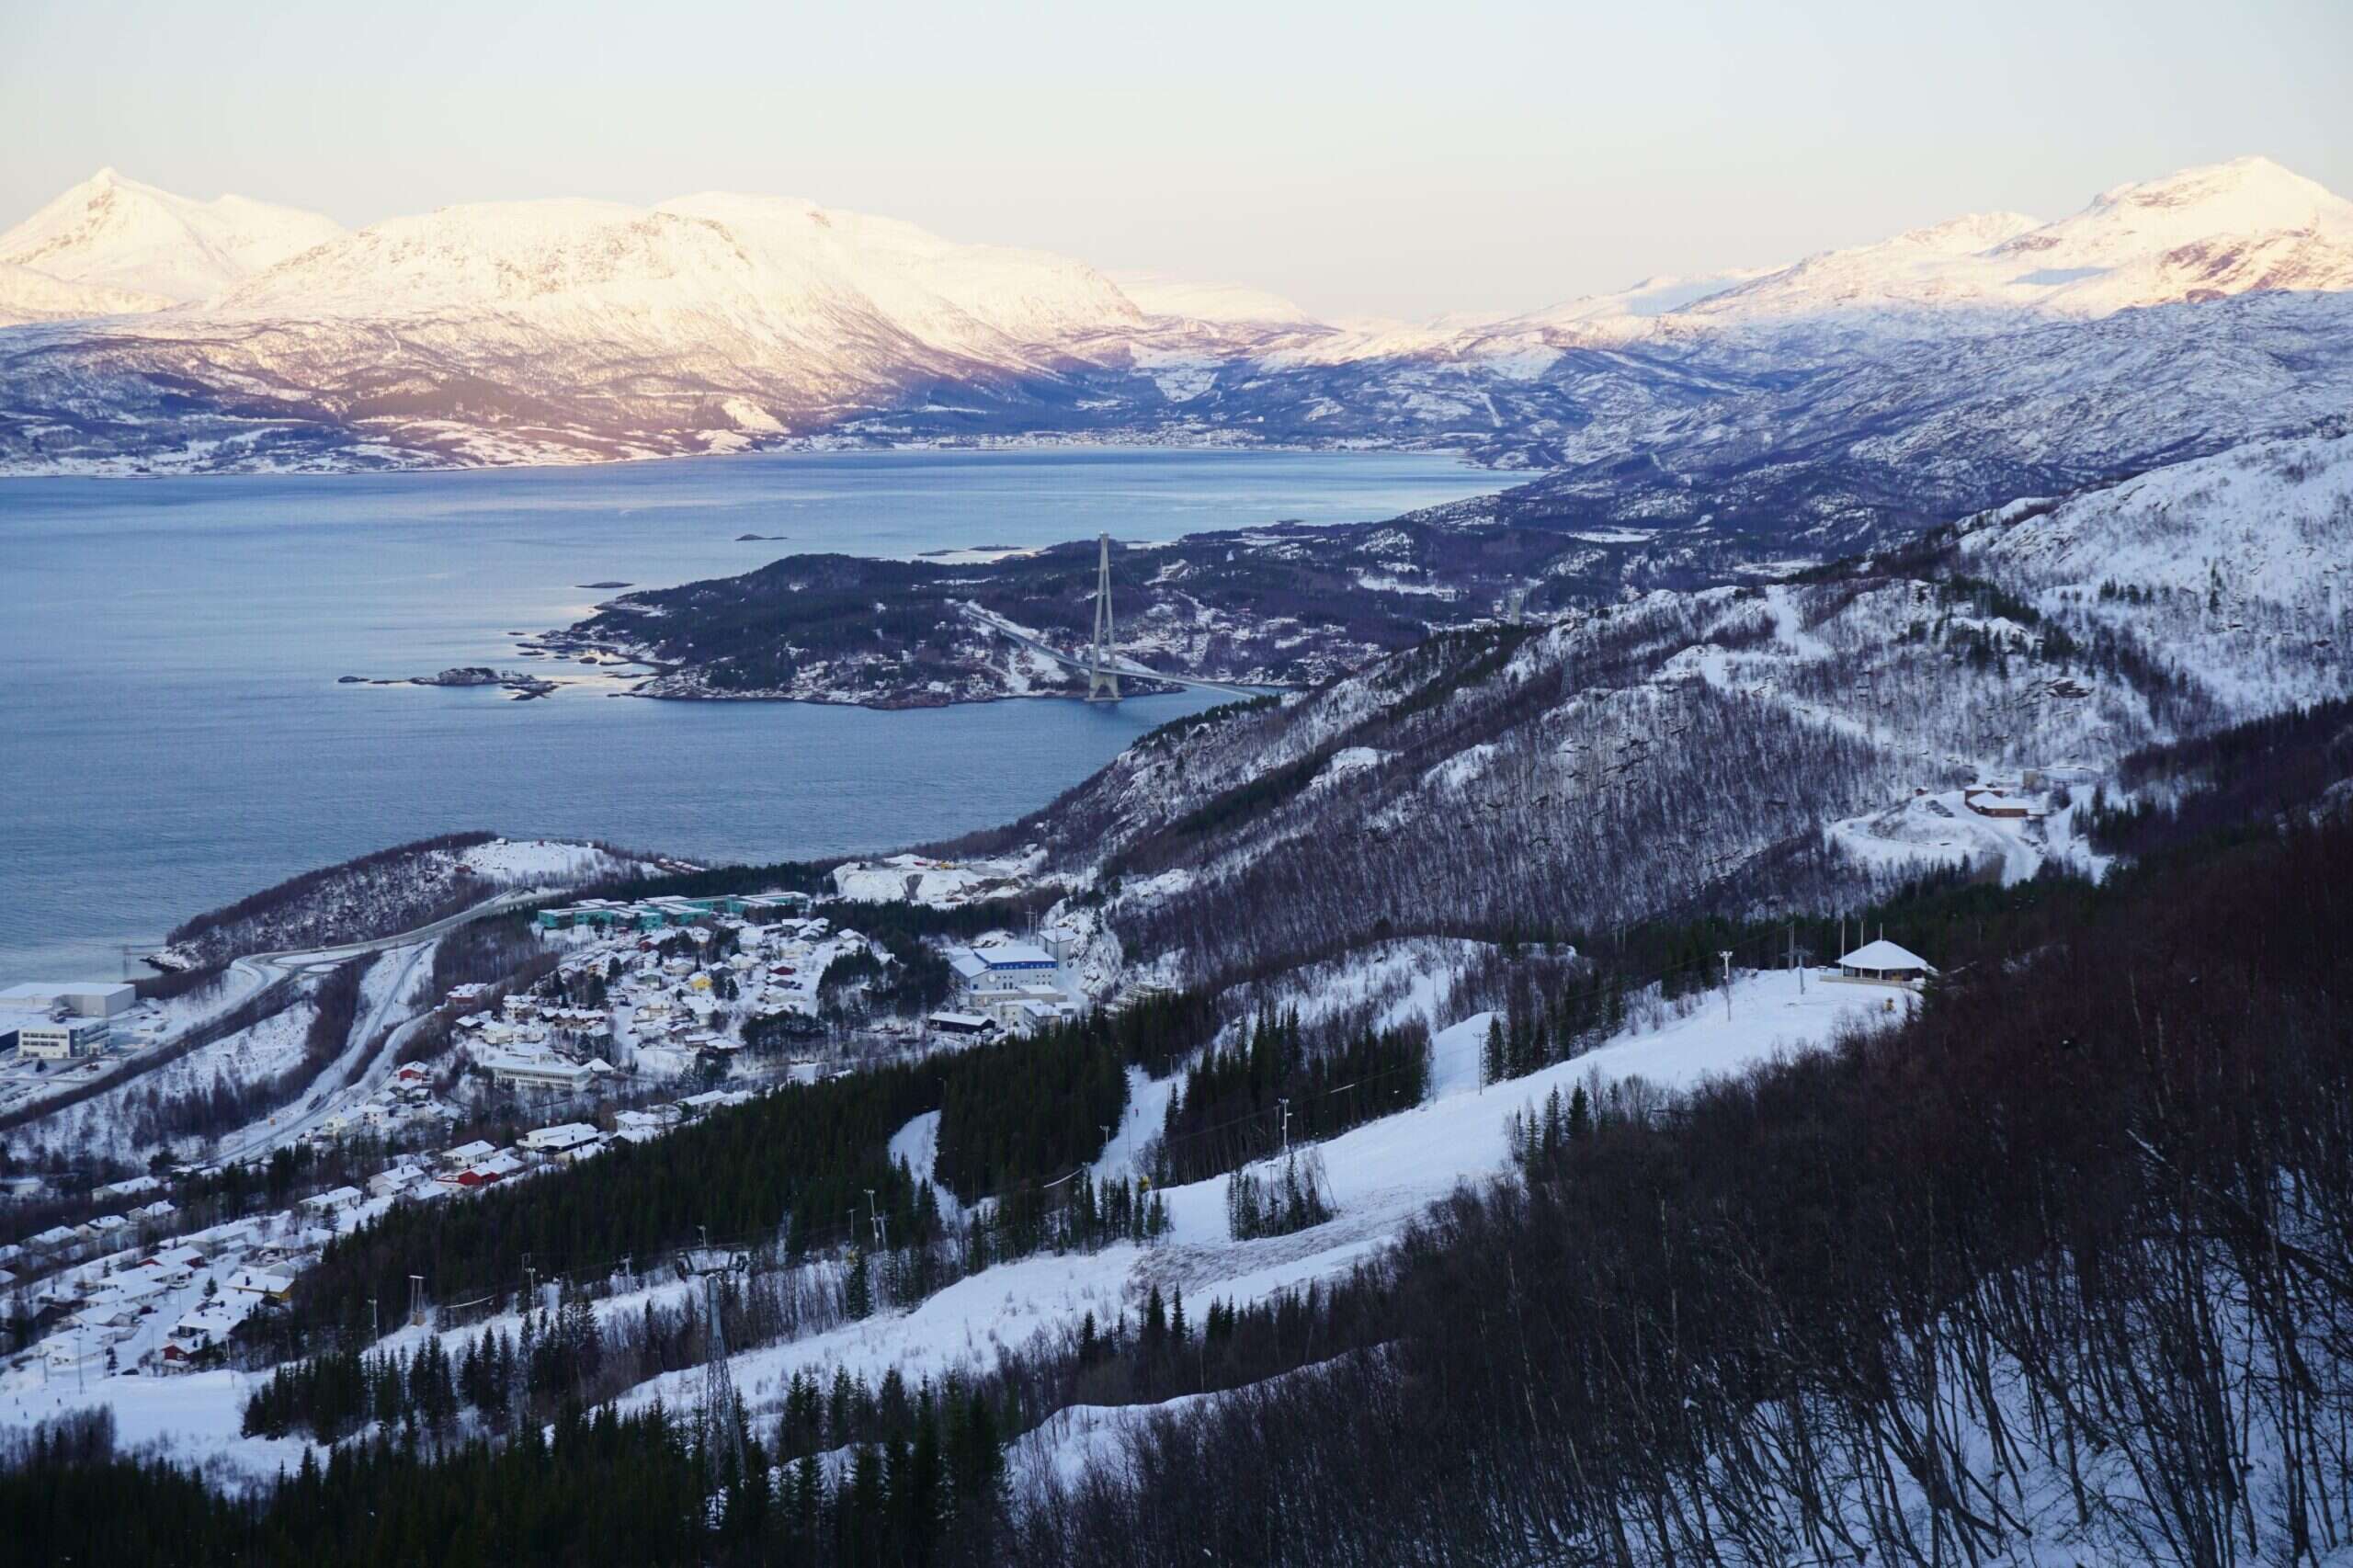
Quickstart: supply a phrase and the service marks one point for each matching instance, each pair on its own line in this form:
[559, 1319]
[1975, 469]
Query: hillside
[1690, 753]
[1954, 1279]
[383, 894]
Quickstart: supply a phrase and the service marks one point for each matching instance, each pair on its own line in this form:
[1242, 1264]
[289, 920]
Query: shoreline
[810, 446]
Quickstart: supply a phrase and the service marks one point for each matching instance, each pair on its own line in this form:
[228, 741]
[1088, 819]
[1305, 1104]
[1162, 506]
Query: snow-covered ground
[917, 1143]
[1411, 979]
[543, 862]
[104, 1125]
[940, 884]
[1935, 830]
[1380, 1175]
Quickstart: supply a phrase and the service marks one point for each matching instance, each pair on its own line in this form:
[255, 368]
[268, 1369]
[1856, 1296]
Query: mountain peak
[2245, 196]
[121, 235]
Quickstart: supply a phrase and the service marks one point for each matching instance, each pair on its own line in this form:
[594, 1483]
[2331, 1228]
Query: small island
[523, 687]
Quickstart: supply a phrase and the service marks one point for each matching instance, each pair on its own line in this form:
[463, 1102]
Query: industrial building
[83, 998]
[62, 1039]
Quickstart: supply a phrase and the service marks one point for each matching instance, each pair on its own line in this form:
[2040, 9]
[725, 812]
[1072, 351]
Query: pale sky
[1362, 161]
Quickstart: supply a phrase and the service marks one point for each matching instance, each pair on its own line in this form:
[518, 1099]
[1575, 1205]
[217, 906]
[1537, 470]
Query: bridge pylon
[1102, 673]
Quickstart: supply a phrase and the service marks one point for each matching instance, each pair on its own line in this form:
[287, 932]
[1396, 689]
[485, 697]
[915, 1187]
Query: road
[1125, 668]
[366, 1059]
[310, 958]
[337, 1084]
[247, 979]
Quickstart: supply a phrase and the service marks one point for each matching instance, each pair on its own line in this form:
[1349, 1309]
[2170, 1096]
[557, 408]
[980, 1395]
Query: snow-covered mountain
[2204, 234]
[1944, 370]
[136, 247]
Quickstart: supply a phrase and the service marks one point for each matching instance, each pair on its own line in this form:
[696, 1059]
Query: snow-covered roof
[1885, 955]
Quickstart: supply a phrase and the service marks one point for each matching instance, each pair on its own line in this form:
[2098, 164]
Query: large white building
[83, 998]
[538, 1072]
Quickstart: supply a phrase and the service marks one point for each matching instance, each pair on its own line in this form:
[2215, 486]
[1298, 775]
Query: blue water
[172, 735]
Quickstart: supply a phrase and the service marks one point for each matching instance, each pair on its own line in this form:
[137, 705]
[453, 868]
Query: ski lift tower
[1102, 677]
[723, 1436]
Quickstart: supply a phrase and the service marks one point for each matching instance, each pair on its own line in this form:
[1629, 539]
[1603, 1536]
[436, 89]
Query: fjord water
[172, 735]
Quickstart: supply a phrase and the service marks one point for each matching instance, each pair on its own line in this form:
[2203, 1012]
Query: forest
[2068, 1260]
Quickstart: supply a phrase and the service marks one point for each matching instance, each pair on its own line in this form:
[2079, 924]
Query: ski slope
[1380, 1177]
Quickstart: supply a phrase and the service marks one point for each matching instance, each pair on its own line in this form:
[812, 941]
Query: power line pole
[1725, 954]
[1285, 1105]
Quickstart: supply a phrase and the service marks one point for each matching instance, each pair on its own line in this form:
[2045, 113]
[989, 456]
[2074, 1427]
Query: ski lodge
[1884, 964]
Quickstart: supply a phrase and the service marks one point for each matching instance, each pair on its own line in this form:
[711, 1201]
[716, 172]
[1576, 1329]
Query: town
[633, 1018]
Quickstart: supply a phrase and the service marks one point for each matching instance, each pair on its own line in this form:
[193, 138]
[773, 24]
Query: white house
[258, 1283]
[335, 1200]
[209, 1324]
[106, 1227]
[63, 1352]
[56, 1241]
[1884, 964]
[393, 1179]
[556, 1140]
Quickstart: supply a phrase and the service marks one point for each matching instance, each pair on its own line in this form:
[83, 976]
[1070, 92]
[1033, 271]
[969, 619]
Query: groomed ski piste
[1380, 1176]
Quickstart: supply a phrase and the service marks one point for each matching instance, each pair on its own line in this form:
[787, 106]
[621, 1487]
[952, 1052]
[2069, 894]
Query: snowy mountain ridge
[140, 248]
[575, 329]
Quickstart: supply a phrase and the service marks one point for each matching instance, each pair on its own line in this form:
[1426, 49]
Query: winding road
[360, 1069]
